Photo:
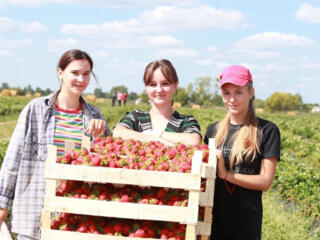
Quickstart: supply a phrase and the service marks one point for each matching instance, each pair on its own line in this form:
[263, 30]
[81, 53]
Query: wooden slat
[186, 181]
[203, 228]
[85, 142]
[47, 234]
[208, 171]
[191, 232]
[46, 219]
[118, 209]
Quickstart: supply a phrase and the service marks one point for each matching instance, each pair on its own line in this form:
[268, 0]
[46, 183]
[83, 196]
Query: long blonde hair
[245, 141]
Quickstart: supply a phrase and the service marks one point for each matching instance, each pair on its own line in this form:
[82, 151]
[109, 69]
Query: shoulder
[212, 129]
[183, 117]
[36, 104]
[138, 113]
[266, 125]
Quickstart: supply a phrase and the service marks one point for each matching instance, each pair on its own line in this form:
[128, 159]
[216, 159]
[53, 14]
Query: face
[160, 91]
[75, 77]
[236, 99]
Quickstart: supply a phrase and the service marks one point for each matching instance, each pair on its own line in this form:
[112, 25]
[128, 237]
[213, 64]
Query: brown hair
[245, 141]
[166, 68]
[72, 55]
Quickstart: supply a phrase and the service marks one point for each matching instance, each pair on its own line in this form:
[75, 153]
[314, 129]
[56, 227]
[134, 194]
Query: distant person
[63, 115]
[119, 97]
[161, 123]
[124, 98]
[113, 98]
[249, 151]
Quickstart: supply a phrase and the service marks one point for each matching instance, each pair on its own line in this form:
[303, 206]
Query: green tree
[117, 89]
[144, 97]
[259, 103]
[283, 102]
[132, 96]
[28, 89]
[181, 96]
[99, 93]
[4, 85]
[201, 91]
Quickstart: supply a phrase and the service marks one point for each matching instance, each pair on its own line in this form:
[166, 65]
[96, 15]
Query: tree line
[204, 91]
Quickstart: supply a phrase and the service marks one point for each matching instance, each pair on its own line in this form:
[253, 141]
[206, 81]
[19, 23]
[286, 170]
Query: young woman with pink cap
[250, 149]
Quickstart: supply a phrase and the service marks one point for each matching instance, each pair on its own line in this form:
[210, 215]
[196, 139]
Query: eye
[152, 84]
[165, 83]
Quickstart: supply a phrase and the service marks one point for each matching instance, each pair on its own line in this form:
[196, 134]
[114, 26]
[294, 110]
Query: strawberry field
[296, 186]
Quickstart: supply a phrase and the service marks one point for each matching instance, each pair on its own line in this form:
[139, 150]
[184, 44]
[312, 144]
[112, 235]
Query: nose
[158, 88]
[80, 78]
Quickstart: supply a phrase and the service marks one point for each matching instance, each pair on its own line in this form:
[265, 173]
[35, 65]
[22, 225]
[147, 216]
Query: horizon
[277, 41]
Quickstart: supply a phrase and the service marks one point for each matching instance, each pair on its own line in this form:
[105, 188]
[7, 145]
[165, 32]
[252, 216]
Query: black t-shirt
[239, 215]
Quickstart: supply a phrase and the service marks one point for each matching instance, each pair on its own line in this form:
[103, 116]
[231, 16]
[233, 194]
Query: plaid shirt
[22, 172]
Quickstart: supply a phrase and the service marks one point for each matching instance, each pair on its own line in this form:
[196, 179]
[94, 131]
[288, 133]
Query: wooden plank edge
[184, 215]
[185, 181]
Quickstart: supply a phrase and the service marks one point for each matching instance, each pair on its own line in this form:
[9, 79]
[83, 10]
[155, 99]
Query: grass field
[291, 207]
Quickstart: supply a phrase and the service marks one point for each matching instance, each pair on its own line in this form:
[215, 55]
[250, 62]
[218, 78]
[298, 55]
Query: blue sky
[279, 41]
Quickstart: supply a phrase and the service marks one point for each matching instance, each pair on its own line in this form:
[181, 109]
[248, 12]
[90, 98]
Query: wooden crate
[185, 215]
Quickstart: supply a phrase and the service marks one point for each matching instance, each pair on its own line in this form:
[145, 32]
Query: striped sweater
[68, 126]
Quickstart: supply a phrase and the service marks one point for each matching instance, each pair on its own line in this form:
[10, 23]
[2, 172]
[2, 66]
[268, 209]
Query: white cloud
[162, 19]
[15, 43]
[176, 53]
[142, 42]
[60, 45]
[299, 85]
[164, 40]
[278, 68]
[308, 64]
[213, 48]
[255, 54]
[271, 40]
[204, 62]
[7, 24]
[5, 53]
[105, 3]
[308, 13]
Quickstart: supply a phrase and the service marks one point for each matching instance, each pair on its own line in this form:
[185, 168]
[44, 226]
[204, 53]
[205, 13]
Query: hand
[96, 127]
[3, 215]
[221, 168]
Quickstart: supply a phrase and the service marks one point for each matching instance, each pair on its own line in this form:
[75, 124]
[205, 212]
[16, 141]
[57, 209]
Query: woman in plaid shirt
[161, 123]
[40, 124]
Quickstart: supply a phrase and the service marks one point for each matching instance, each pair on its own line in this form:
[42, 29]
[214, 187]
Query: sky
[279, 41]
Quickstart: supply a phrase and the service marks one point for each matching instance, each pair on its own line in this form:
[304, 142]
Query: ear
[251, 93]
[59, 72]
[175, 86]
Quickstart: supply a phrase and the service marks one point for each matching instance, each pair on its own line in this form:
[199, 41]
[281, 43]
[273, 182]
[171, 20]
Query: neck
[67, 101]
[238, 119]
[165, 111]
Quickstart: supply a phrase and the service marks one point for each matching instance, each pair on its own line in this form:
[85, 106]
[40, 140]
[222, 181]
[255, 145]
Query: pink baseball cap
[236, 75]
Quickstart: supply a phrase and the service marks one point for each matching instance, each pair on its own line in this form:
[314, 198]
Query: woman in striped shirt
[161, 123]
[46, 120]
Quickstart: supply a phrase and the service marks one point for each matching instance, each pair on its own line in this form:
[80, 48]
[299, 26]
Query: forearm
[261, 181]
[252, 182]
[185, 138]
[125, 133]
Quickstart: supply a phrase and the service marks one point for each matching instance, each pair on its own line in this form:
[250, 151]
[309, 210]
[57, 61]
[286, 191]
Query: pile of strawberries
[130, 154]
[118, 227]
[133, 154]
[127, 193]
